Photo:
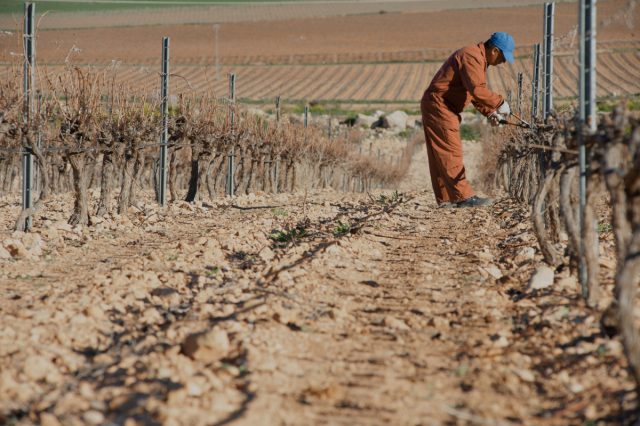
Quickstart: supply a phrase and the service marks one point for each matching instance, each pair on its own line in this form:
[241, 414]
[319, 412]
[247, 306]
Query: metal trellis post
[36, 169]
[519, 106]
[587, 113]
[535, 84]
[232, 119]
[306, 116]
[276, 166]
[164, 136]
[28, 83]
[547, 103]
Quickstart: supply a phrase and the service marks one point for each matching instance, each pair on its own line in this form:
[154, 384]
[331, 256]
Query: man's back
[462, 78]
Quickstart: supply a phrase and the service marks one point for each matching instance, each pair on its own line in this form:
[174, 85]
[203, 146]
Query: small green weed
[211, 271]
[341, 229]
[149, 110]
[634, 104]
[389, 199]
[604, 227]
[605, 106]
[608, 105]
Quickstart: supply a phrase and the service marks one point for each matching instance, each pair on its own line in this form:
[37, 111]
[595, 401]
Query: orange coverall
[460, 80]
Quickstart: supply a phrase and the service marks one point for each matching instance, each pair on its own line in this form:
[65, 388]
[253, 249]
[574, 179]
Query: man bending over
[460, 80]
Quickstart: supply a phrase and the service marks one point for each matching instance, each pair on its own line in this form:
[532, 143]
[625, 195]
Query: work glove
[495, 118]
[504, 109]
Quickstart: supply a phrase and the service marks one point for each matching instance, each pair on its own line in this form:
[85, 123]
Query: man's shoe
[475, 202]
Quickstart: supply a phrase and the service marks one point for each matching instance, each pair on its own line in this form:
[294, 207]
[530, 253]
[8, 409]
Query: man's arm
[474, 80]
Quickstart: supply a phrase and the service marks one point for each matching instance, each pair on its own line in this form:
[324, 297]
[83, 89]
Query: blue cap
[504, 42]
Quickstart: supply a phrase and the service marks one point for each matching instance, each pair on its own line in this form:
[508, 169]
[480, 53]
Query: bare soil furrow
[622, 78]
[565, 83]
[629, 71]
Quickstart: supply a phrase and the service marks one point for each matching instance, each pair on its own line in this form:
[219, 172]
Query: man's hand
[495, 118]
[504, 109]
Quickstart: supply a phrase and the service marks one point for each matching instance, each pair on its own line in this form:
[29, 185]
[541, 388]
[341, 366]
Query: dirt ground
[298, 309]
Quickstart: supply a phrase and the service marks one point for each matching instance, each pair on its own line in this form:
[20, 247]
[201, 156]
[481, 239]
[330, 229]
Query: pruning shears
[521, 123]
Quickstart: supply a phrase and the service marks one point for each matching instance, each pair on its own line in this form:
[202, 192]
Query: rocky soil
[298, 309]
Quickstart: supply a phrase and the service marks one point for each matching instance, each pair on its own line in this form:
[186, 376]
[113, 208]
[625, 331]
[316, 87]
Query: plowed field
[343, 58]
[618, 74]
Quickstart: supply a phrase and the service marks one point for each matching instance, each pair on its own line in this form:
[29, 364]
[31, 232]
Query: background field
[16, 6]
[280, 50]
[106, 13]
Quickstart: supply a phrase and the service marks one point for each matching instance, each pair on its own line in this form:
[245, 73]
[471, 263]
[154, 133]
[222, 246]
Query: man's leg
[446, 147]
[435, 167]
[435, 172]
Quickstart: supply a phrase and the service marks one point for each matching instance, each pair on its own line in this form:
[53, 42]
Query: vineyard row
[548, 180]
[89, 132]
